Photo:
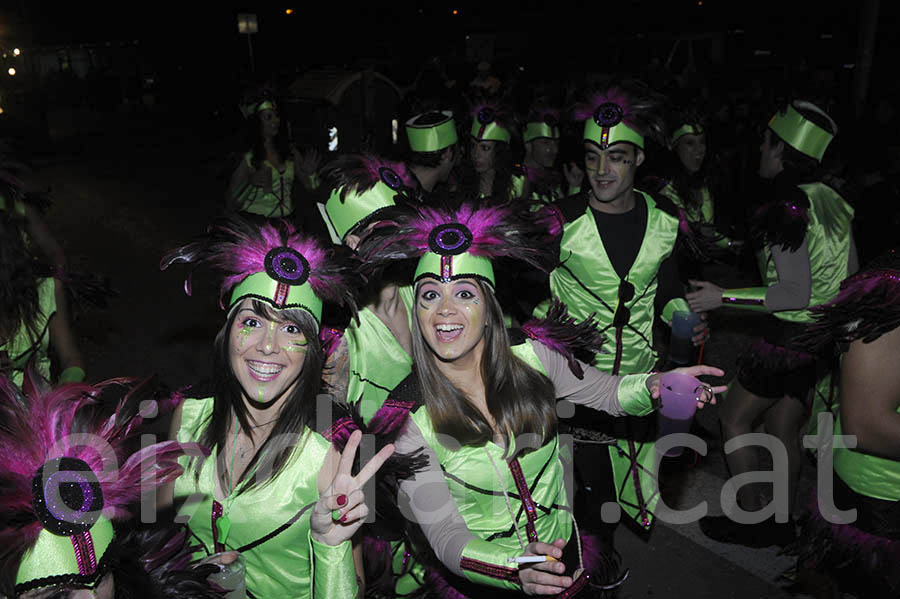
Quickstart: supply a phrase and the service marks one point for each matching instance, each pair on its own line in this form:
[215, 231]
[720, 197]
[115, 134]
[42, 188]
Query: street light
[12, 71]
[16, 51]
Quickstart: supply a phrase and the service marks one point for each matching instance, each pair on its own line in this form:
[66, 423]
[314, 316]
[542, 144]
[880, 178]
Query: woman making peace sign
[273, 489]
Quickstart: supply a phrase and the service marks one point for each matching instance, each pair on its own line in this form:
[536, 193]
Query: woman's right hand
[547, 578]
[262, 177]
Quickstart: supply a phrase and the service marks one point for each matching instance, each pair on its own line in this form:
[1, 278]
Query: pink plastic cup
[679, 394]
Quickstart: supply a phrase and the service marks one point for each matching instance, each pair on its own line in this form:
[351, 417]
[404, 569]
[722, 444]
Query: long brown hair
[520, 399]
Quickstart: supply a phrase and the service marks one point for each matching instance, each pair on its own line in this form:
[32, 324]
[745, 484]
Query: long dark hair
[19, 300]
[689, 186]
[470, 180]
[297, 413]
[253, 140]
[520, 399]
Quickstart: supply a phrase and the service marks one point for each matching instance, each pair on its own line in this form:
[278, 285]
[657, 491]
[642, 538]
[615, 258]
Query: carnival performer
[67, 474]
[273, 489]
[488, 171]
[692, 177]
[481, 403]
[374, 354]
[862, 325]
[263, 182]
[542, 182]
[803, 229]
[433, 149]
[33, 310]
[616, 262]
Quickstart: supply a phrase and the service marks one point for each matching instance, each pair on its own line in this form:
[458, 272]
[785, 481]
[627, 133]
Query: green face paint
[295, 346]
[261, 393]
[245, 332]
[271, 336]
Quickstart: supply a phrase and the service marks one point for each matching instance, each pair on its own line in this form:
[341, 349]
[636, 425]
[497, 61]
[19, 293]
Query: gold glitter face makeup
[266, 353]
[451, 316]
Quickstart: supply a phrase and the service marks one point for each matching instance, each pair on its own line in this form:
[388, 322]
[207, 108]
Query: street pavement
[118, 207]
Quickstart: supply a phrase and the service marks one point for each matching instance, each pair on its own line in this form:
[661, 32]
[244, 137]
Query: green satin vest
[698, 214]
[377, 361]
[585, 265]
[273, 204]
[278, 564]
[866, 474]
[828, 238]
[22, 346]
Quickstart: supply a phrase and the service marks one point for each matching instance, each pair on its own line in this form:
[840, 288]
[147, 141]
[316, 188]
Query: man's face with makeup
[610, 172]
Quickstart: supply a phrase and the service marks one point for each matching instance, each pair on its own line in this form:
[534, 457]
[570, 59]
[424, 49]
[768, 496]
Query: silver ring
[706, 388]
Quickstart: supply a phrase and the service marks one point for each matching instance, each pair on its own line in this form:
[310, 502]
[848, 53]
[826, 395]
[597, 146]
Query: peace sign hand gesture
[341, 508]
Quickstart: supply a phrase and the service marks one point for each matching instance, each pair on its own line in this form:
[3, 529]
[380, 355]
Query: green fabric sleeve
[483, 564]
[72, 374]
[676, 304]
[333, 574]
[633, 395]
[748, 298]
[574, 189]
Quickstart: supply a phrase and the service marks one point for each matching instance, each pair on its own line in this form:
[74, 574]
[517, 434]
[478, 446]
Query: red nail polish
[341, 499]
[344, 518]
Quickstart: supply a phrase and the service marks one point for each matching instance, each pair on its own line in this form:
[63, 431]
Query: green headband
[54, 555]
[344, 216]
[431, 138]
[450, 268]
[607, 136]
[800, 133]
[537, 130]
[249, 110]
[687, 129]
[280, 294]
[486, 128]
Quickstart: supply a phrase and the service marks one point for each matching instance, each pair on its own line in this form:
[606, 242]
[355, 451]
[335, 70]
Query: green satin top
[534, 482]
[828, 239]
[587, 283]
[273, 204]
[378, 363]
[269, 523]
[704, 213]
[477, 491]
[22, 347]
[867, 474]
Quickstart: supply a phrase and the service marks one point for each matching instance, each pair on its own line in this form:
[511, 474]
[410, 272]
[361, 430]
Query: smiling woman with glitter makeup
[274, 489]
[480, 406]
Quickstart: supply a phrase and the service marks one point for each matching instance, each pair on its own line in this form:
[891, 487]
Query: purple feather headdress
[639, 108]
[45, 433]
[294, 265]
[492, 232]
[361, 172]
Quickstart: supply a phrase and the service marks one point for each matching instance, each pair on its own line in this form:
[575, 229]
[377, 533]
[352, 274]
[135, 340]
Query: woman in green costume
[263, 182]
[33, 310]
[488, 168]
[692, 176]
[862, 326]
[480, 404]
[803, 228]
[273, 488]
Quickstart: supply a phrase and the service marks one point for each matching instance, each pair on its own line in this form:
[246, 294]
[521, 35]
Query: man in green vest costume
[433, 151]
[803, 229]
[616, 262]
[374, 354]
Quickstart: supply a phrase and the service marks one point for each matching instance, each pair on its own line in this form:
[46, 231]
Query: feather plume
[642, 108]
[866, 307]
[360, 172]
[238, 249]
[40, 425]
[498, 231]
[561, 333]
